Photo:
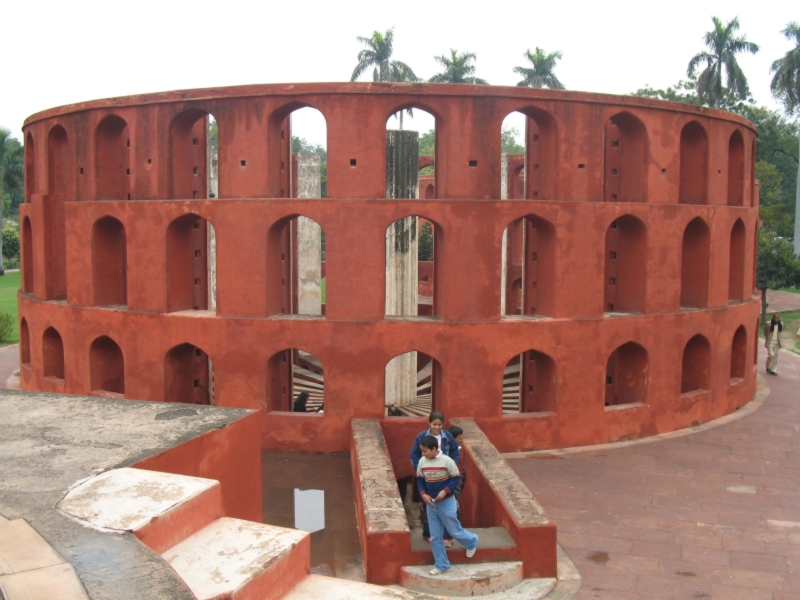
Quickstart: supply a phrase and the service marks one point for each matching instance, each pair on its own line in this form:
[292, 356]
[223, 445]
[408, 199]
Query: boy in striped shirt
[437, 478]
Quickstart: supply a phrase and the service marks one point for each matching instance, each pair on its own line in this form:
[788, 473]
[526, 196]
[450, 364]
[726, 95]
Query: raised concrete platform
[464, 580]
[491, 538]
[232, 558]
[49, 443]
[161, 509]
[319, 587]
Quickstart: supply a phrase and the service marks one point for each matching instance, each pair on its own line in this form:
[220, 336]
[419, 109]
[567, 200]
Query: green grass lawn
[9, 286]
[793, 290]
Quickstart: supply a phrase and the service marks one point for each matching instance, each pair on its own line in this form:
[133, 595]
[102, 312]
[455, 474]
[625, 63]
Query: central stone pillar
[402, 251]
[309, 238]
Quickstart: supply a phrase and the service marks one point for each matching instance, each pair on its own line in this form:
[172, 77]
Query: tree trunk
[764, 306]
[797, 207]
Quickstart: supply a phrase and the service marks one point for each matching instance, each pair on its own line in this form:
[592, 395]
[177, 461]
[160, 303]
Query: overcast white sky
[63, 52]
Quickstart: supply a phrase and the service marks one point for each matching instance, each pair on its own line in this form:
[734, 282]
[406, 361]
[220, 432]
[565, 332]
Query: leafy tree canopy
[786, 81]
[378, 55]
[541, 75]
[722, 45]
[777, 267]
[458, 68]
[12, 168]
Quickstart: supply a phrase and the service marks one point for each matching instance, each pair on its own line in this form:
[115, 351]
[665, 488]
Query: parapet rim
[381, 89]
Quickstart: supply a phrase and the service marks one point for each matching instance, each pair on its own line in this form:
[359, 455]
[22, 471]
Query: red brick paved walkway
[715, 514]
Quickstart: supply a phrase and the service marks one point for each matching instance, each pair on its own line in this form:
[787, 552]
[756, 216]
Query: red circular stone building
[639, 256]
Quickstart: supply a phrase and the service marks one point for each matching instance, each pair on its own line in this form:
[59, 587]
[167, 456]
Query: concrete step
[232, 558]
[319, 587]
[161, 509]
[495, 545]
[464, 580]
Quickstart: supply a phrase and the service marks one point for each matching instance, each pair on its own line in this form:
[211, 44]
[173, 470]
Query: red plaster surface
[231, 456]
[354, 341]
[655, 520]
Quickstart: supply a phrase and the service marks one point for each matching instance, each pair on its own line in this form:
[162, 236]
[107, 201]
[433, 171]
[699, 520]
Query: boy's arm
[421, 481]
[452, 483]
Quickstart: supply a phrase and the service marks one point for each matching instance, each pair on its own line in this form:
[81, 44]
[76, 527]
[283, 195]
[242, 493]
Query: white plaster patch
[783, 524]
[228, 553]
[128, 499]
[741, 489]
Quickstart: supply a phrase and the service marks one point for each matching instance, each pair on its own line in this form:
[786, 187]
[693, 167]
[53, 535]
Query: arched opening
[626, 375]
[739, 354]
[27, 256]
[193, 139]
[24, 344]
[411, 267]
[528, 268]
[188, 279]
[296, 262]
[512, 149]
[52, 354]
[30, 167]
[109, 262]
[530, 384]
[736, 263]
[295, 382]
[188, 375]
[106, 368]
[694, 264]
[410, 388]
[625, 177]
[626, 265]
[694, 164]
[113, 159]
[59, 179]
[736, 169]
[696, 365]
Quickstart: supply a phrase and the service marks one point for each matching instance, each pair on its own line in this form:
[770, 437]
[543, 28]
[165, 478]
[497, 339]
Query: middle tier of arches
[590, 259]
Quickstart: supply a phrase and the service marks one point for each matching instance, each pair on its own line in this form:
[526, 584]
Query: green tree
[508, 141]
[378, 54]
[458, 68]
[541, 75]
[12, 166]
[427, 147]
[776, 267]
[10, 241]
[723, 46]
[683, 91]
[425, 247]
[785, 87]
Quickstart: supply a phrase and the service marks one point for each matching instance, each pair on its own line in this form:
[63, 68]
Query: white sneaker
[471, 551]
[435, 571]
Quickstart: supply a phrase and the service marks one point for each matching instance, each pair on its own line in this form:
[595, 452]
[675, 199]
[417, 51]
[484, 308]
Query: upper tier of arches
[581, 147]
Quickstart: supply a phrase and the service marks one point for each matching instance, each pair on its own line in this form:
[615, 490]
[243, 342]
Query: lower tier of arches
[582, 362]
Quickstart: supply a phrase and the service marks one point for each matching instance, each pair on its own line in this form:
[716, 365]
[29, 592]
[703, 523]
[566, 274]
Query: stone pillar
[402, 252]
[504, 252]
[212, 186]
[309, 238]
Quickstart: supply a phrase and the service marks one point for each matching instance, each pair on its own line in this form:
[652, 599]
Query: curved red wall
[354, 340]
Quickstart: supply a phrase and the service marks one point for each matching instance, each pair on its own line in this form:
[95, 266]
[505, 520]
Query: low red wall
[231, 455]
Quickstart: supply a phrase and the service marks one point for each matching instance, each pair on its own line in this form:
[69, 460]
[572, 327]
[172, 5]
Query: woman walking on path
[772, 341]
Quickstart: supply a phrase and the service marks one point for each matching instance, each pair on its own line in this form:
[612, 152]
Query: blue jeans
[441, 516]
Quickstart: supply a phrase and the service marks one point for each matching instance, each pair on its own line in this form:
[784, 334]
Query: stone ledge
[522, 506]
[383, 508]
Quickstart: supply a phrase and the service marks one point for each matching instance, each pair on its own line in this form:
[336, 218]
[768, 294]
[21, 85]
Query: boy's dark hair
[434, 416]
[429, 442]
[456, 431]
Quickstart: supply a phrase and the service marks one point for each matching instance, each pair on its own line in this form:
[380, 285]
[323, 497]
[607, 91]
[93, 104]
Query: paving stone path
[714, 514]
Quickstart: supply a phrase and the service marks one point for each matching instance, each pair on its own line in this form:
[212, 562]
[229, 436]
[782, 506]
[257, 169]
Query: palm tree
[378, 54]
[457, 69]
[723, 47]
[786, 88]
[541, 75]
[786, 82]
